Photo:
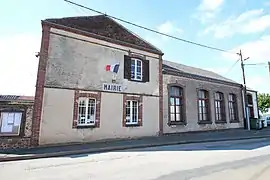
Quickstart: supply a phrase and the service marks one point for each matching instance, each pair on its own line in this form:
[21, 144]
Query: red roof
[103, 26]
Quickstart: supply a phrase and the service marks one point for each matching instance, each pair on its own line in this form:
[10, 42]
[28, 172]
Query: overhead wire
[232, 66]
[148, 29]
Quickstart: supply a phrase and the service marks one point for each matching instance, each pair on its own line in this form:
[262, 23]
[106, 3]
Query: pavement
[113, 145]
[239, 159]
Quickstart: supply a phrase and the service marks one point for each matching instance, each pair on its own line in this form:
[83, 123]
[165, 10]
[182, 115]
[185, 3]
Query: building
[252, 99]
[197, 100]
[97, 80]
[16, 121]
[253, 108]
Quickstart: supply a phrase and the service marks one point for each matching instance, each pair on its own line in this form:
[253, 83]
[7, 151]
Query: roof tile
[104, 26]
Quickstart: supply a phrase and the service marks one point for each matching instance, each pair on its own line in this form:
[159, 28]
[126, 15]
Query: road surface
[241, 160]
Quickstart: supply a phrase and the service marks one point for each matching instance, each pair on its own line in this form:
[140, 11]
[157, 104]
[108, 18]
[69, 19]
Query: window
[203, 102]
[10, 123]
[132, 112]
[232, 107]
[219, 107]
[176, 104]
[87, 112]
[136, 69]
[250, 106]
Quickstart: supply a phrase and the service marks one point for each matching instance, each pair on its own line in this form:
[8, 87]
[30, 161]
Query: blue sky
[226, 24]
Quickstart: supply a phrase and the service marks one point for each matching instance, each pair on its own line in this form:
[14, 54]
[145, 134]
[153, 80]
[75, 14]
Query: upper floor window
[87, 112]
[232, 107]
[203, 105]
[176, 105]
[136, 69]
[219, 107]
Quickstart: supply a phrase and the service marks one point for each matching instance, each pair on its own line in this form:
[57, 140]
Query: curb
[108, 149]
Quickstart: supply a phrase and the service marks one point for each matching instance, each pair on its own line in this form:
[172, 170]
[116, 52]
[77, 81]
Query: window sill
[205, 122]
[234, 121]
[86, 126]
[173, 123]
[134, 80]
[132, 125]
[11, 135]
[220, 122]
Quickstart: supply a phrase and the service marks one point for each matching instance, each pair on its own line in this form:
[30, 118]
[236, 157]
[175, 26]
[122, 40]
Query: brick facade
[40, 84]
[160, 74]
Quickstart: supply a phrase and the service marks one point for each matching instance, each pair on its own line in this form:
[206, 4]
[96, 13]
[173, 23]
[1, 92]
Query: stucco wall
[190, 88]
[77, 62]
[57, 117]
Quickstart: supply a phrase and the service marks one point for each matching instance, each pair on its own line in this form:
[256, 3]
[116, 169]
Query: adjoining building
[16, 121]
[199, 100]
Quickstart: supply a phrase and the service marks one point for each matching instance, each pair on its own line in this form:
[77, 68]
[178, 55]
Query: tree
[264, 102]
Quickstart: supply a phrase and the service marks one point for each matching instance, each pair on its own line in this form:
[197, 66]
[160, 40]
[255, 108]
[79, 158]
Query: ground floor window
[10, 123]
[176, 105]
[203, 105]
[250, 106]
[220, 107]
[132, 112]
[232, 107]
[87, 111]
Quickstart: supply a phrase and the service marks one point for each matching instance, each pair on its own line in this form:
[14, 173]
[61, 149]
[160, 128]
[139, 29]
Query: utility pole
[269, 67]
[245, 89]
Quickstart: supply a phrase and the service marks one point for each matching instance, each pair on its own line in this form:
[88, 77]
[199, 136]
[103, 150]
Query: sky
[227, 24]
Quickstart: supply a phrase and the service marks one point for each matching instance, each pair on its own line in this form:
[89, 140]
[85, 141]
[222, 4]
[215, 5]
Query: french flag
[113, 67]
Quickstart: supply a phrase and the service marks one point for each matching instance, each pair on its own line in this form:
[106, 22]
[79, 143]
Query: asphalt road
[241, 160]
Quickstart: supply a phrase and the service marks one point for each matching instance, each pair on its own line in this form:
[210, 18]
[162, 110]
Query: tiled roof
[176, 67]
[104, 26]
[16, 98]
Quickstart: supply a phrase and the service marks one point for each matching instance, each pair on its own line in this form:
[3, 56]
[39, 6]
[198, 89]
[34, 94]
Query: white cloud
[210, 5]
[258, 51]
[259, 83]
[18, 68]
[252, 21]
[169, 28]
[257, 76]
[208, 9]
[166, 28]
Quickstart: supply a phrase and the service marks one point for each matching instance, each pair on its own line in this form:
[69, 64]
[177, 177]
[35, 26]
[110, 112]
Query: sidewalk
[112, 145]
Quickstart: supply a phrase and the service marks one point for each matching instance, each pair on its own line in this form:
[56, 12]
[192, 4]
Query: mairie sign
[112, 87]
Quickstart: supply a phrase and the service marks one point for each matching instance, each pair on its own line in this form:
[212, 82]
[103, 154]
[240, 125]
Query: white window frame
[135, 69]
[15, 123]
[232, 109]
[131, 122]
[86, 112]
